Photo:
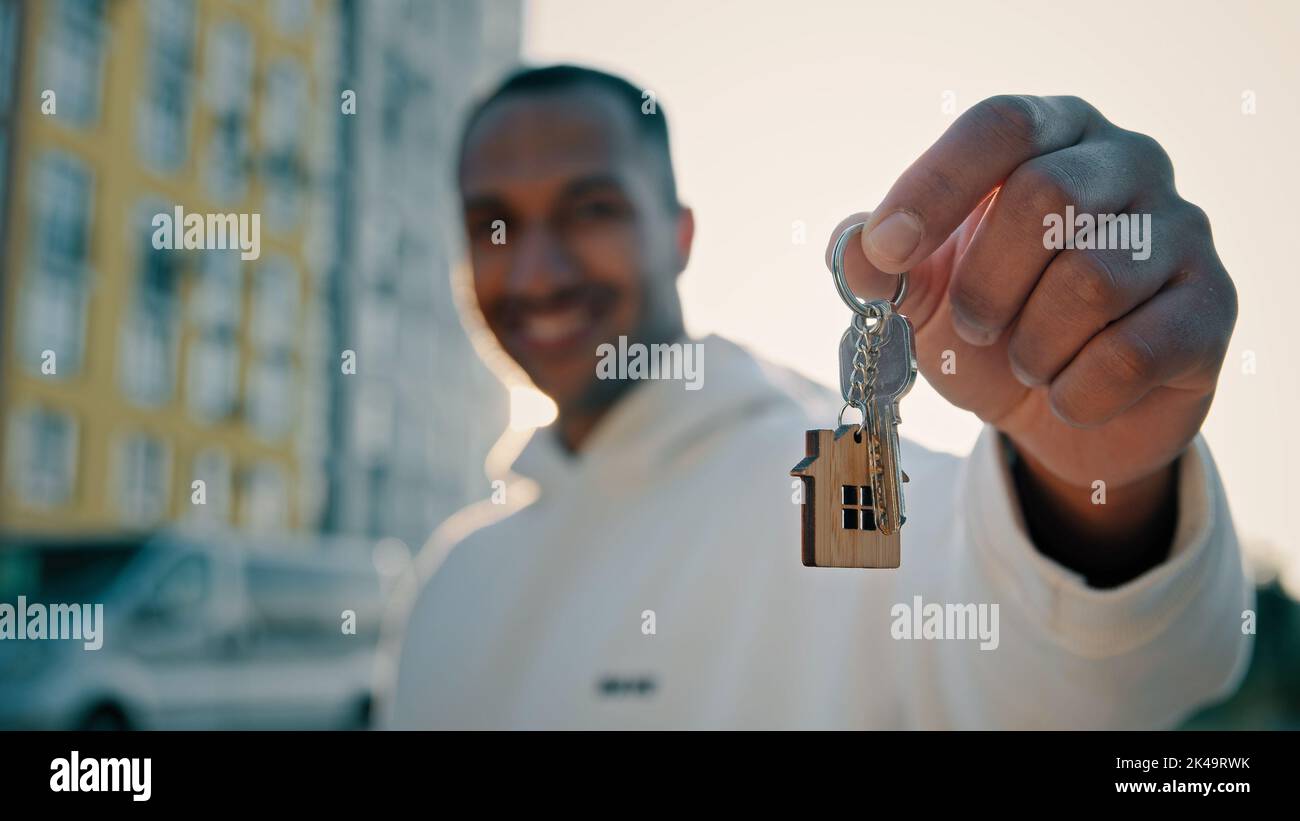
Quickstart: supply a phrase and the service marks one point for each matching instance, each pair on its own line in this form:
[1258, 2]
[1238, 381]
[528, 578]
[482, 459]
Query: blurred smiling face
[593, 244]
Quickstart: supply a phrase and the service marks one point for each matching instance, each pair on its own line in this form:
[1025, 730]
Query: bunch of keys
[853, 505]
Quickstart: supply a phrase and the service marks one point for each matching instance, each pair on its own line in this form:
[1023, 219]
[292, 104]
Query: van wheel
[107, 717]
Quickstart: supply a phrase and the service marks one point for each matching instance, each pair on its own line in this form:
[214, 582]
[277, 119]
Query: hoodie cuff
[1090, 622]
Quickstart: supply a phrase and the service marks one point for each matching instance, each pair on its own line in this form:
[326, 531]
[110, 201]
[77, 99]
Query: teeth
[553, 326]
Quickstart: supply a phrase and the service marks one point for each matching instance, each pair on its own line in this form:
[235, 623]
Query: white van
[200, 630]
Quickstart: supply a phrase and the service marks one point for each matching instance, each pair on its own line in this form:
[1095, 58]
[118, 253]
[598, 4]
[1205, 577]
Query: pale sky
[786, 112]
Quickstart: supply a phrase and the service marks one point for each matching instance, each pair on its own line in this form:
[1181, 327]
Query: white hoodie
[533, 614]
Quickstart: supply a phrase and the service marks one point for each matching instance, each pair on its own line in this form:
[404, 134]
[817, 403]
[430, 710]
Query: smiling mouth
[554, 327]
[560, 324]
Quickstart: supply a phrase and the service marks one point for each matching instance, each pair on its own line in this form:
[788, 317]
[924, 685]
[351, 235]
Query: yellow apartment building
[129, 372]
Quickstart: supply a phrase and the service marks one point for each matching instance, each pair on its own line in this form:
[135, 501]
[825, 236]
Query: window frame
[858, 507]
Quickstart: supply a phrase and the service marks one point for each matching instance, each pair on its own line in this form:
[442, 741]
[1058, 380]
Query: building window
[379, 490]
[379, 325]
[143, 466]
[71, 59]
[8, 51]
[283, 112]
[164, 118]
[8, 61]
[275, 304]
[270, 388]
[229, 89]
[398, 91]
[291, 15]
[265, 500]
[215, 300]
[53, 319]
[147, 353]
[212, 384]
[212, 467]
[212, 369]
[857, 512]
[55, 292]
[373, 420]
[229, 68]
[4, 169]
[229, 156]
[270, 395]
[42, 457]
[62, 205]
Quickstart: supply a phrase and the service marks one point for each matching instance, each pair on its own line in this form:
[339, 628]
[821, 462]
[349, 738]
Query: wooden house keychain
[853, 507]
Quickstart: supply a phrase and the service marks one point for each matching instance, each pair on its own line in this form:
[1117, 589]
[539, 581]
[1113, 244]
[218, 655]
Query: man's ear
[685, 236]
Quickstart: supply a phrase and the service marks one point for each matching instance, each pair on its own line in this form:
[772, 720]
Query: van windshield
[56, 572]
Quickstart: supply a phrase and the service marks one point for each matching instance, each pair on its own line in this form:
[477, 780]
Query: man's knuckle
[1219, 300]
[1036, 189]
[971, 296]
[1129, 359]
[1043, 187]
[1077, 103]
[1230, 300]
[1028, 355]
[1090, 284]
[1017, 119]
[1149, 152]
[1195, 218]
[1072, 403]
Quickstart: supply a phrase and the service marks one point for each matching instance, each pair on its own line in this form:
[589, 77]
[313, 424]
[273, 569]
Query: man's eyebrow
[486, 201]
[591, 183]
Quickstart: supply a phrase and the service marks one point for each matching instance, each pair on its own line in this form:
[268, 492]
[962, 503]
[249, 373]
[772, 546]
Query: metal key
[896, 370]
[896, 373]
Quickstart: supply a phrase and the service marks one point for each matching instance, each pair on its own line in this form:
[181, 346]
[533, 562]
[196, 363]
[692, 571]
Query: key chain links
[867, 355]
[866, 358]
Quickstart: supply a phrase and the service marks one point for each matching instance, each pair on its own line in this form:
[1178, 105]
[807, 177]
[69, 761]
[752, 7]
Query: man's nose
[541, 264]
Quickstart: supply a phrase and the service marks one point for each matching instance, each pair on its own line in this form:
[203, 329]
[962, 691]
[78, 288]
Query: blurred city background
[174, 367]
[336, 120]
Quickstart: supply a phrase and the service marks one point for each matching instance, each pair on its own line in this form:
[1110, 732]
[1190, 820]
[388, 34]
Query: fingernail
[1023, 377]
[894, 239]
[973, 333]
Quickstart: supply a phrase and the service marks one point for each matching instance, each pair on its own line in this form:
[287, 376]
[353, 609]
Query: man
[645, 571]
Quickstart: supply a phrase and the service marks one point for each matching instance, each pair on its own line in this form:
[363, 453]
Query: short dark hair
[649, 121]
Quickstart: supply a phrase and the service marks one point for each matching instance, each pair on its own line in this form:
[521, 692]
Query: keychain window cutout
[857, 513]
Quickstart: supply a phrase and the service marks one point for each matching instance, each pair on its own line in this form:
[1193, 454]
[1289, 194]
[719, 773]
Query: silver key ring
[837, 271]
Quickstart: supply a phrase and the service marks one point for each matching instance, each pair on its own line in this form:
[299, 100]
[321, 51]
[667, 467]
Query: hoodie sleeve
[1063, 654]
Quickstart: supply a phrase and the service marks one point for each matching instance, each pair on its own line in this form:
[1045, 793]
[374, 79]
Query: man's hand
[1097, 365]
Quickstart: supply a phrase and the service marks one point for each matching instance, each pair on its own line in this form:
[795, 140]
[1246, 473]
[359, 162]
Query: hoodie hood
[659, 421]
